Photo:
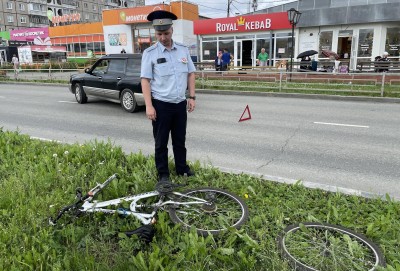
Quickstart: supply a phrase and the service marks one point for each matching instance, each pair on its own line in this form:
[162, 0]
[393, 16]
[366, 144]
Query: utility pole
[254, 5]
[229, 7]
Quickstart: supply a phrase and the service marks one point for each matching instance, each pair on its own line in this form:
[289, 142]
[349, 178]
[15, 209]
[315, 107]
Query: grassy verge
[38, 178]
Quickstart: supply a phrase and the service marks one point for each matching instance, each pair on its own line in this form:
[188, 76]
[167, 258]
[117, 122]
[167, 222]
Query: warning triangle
[248, 116]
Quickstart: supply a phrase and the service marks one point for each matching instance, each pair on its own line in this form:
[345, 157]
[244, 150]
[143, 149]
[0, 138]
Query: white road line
[68, 102]
[45, 139]
[341, 124]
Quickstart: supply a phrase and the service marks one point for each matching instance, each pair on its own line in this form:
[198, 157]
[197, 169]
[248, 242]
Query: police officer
[167, 72]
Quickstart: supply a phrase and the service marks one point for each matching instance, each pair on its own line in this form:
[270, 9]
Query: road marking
[341, 124]
[45, 139]
[68, 102]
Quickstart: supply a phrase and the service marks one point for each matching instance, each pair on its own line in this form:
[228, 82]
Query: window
[22, 7]
[209, 50]
[322, 4]
[23, 20]
[133, 67]
[85, 5]
[94, 7]
[392, 45]
[365, 42]
[101, 67]
[86, 16]
[116, 66]
[10, 18]
[9, 5]
[325, 41]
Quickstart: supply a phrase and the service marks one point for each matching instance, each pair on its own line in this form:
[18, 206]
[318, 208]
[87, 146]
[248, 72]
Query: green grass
[38, 178]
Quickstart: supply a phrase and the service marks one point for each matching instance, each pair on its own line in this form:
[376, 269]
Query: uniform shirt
[168, 71]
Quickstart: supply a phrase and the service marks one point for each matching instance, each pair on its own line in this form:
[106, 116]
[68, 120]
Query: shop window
[83, 47]
[325, 41]
[263, 43]
[209, 51]
[225, 44]
[392, 45]
[283, 47]
[365, 42]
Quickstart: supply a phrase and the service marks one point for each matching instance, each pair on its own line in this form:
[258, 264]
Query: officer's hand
[151, 113]
[191, 105]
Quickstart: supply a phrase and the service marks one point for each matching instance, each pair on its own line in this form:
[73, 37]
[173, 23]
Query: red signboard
[248, 23]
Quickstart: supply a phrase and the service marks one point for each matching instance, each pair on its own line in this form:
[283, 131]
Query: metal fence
[370, 84]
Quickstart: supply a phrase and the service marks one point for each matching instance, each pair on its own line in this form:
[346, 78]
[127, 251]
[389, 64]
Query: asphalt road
[346, 145]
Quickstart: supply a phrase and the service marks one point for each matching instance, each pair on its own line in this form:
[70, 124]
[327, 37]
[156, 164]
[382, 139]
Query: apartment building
[16, 14]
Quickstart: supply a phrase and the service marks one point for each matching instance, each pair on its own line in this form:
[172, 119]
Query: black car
[115, 78]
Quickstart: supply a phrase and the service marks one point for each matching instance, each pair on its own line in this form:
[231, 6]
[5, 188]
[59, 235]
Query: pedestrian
[382, 67]
[226, 59]
[218, 61]
[15, 62]
[262, 58]
[123, 51]
[167, 71]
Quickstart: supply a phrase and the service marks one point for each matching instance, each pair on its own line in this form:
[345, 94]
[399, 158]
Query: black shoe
[189, 173]
[163, 178]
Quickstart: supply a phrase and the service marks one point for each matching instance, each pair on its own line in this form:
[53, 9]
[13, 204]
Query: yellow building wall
[185, 10]
[76, 29]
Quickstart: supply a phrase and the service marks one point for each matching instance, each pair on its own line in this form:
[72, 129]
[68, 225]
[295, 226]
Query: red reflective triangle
[244, 112]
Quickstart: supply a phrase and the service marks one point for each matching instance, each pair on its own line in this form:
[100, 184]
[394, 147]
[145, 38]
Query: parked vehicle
[115, 78]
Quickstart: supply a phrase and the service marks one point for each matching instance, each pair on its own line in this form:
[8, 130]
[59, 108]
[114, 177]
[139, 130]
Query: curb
[311, 185]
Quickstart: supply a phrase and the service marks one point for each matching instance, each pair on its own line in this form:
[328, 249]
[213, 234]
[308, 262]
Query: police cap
[162, 20]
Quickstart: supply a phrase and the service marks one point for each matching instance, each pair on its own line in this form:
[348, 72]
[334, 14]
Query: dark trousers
[171, 118]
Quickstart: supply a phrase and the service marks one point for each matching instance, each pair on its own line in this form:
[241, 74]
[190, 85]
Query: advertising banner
[29, 34]
[249, 23]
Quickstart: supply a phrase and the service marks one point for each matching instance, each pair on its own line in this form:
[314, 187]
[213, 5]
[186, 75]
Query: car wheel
[80, 94]
[128, 101]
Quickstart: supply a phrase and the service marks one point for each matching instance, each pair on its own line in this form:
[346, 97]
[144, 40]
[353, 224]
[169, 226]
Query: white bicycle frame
[91, 205]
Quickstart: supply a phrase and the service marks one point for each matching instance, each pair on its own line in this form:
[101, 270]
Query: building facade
[41, 13]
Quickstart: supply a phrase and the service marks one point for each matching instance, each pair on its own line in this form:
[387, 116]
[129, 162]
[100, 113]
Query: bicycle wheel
[322, 246]
[221, 211]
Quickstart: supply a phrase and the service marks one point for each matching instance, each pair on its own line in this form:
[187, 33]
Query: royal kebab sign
[250, 23]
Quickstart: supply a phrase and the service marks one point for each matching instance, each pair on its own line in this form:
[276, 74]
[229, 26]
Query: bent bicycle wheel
[323, 247]
[222, 210]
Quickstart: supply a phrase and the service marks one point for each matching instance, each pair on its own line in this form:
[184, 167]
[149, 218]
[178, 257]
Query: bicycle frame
[91, 206]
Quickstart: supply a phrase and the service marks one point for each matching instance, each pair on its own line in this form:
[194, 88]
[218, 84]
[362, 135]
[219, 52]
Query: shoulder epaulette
[151, 48]
[181, 44]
